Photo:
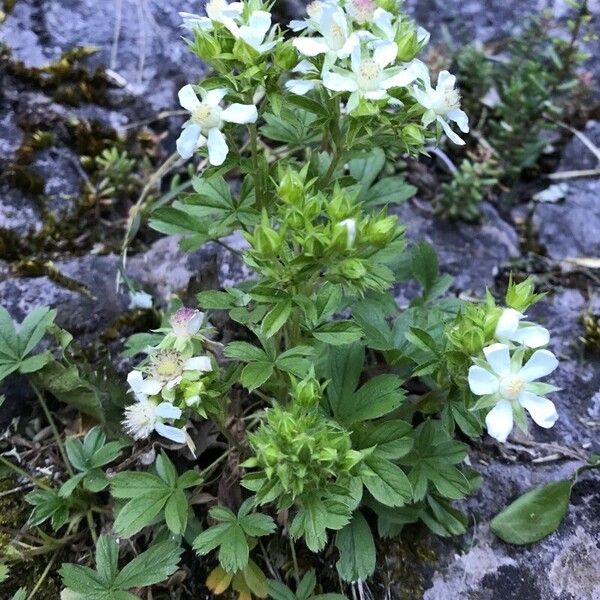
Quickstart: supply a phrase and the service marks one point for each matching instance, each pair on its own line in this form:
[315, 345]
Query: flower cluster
[161, 385]
[503, 382]
[360, 49]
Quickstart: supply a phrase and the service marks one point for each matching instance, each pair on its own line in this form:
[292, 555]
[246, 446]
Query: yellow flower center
[445, 101]
[336, 36]
[207, 116]
[167, 365]
[368, 74]
[511, 387]
[314, 9]
[214, 8]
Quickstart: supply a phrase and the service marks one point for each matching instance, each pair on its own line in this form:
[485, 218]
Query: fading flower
[507, 386]
[186, 322]
[146, 415]
[169, 367]
[207, 119]
[362, 11]
[442, 104]
[217, 11]
[511, 329]
[370, 76]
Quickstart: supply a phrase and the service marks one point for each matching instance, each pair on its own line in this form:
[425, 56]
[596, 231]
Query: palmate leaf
[108, 583]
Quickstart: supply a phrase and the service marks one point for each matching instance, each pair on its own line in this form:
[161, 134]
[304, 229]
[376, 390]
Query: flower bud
[521, 296]
[307, 392]
[291, 186]
[206, 45]
[353, 268]
[412, 134]
[408, 45]
[389, 5]
[344, 234]
[381, 231]
[286, 56]
[186, 322]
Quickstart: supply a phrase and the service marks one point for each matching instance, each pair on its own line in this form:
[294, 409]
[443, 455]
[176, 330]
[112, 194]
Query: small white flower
[168, 368]
[314, 10]
[140, 300]
[506, 384]
[186, 322]
[256, 32]
[442, 103]
[350, 226]
[510, 329]
[303, 86]
[217, 11]
[207, 119]
[369, 76]
[145, 415]
[335, 40]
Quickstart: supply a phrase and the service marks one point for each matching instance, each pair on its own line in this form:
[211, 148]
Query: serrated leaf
[276, 318]
[254, 374]
[386, 481]
[139, 512]
[233, 550]
[357, 550]
[338, 333]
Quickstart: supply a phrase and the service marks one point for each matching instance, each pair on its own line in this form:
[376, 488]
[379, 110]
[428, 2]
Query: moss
[591, 336]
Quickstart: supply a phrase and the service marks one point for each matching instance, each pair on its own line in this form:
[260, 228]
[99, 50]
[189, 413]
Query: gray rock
[570, 228]
[11, 137]
[19, 212]
[472, 254]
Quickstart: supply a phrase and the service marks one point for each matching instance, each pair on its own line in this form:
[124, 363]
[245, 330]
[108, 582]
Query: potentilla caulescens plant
[330, 434]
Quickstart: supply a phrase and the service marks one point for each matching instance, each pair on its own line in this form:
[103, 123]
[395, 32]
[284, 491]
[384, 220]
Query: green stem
[25, 474]
[43, 576]
[255, 169]
[295, 561]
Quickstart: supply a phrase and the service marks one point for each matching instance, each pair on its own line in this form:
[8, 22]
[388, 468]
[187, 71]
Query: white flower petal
[508, 323]
[445, 81]
[173, 382]
[542, 410]
[383, 19]
[188, 99]
[353, 102]
[498, 357]
[151, 386]
[188, 141]
[499, 421]
[532, 336]
[214, 97]
[198, 363]
[171, 433]
[301, 86]
[401, 79]
[482, 382]
[385, 54]
[217, 147]
[542, 363]
[135, 380]
[340, 83]
[259, 23]
[298, 25]
[422, 98]
[451, 134]
[311, 46]
[375, 94]
[167, 411]
[304, 66]
[240, 113]
[460, 118]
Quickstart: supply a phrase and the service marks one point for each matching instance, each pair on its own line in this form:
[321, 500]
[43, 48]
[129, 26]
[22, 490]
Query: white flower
[255, 31]
[510, 329]
[168, 368]
[336, 40]
[350, 226]
[218, 11]
[140, 300]
[508, 386]
[186, 322]
[369, 77]
[207, 119]
[303, 86]
[145, 416]
[442, 104]
[314, 10]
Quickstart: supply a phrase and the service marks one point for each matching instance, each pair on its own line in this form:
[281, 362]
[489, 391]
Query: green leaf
[150, 567]
[534, 515]
[338, 333]
[278, 591]
[3, 573]
[33, 328]
[365, 169]
[343, 369]
[234, 551]
[76, 454]
[32, 364]
[391, 438]
[166, 470]
[389, 190]
[257, 525]
[139, 512]
[386, 481]
[245, 352]
[83, 580]
[9, 343]
[176, 512]
[107, 556]
[132, 484]
[378, 397]
[357, 550]
[276, 318]
[211, 538]
[255, 374]
[424, 264]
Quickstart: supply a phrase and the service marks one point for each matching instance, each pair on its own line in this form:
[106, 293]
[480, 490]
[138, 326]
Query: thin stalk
[25, 474]
[295, 561]
[43, 576]
[255, 169]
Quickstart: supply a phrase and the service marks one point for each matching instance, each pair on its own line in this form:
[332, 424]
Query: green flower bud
[286, 56]
[408, 45]
[306, 392]
[353, 268]
[267, 241]
[521, 296]
[291, 186]
[412, 134]
[344, 234]
[389, 5]
[382, 231]
[206, 45]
